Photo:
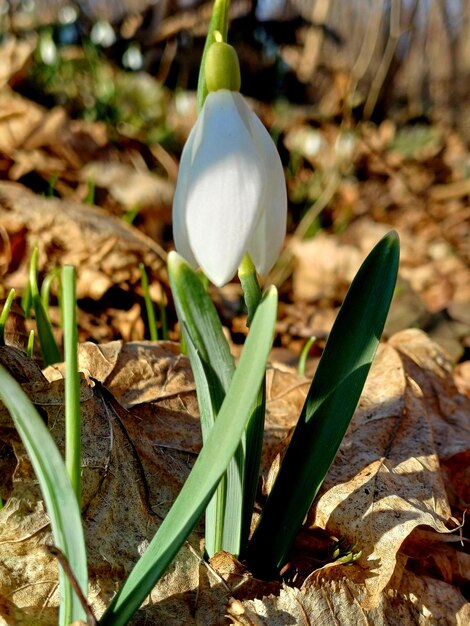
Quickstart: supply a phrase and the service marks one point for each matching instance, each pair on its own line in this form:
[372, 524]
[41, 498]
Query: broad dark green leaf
[331, 402]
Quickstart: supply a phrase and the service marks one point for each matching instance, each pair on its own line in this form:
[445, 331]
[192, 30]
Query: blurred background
[370, 59]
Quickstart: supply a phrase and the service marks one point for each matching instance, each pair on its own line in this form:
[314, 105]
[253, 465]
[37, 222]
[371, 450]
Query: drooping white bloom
[230, 196]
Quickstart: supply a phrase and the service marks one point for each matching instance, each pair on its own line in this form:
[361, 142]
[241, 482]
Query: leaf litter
[393, 477]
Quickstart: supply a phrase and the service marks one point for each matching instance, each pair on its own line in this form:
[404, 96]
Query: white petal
[180, 230]
[269, 233]
[224, 188]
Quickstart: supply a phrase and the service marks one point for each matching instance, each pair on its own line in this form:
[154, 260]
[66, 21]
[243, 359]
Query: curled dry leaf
[138, 372]
[390, 476]
[105, 250]
[117, 528]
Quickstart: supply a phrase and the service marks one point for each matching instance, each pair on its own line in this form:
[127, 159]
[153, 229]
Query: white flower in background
[47, 49]
[230, 196]
[102, 34]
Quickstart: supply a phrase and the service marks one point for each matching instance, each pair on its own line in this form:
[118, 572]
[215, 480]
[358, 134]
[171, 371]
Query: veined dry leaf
[117, 526]
[11, 615]
[331, 601]
[105, 249]
[126, 491]
[285, 396]
[392, 437]
[387, 478]
[138, 372]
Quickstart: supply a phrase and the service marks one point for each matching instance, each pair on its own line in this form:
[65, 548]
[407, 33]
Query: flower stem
[219, 22]
[250, 286]
[255, 427]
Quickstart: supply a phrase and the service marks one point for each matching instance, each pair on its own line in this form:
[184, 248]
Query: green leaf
[210, 465]
[213, 367]
[61, 503]
[198, 316]
[49, 350]
[330, 404]
[152, 323]
[72, 381]
[4, 315]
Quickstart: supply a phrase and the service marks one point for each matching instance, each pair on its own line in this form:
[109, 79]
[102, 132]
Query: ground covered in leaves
[98, 196]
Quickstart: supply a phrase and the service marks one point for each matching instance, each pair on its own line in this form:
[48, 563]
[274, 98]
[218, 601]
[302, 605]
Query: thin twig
[60, 556]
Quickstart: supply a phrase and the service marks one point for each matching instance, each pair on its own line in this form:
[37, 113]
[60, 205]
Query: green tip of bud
[221, 67]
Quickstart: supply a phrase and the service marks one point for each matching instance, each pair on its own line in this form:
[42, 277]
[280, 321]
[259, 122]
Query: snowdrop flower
[230, 196]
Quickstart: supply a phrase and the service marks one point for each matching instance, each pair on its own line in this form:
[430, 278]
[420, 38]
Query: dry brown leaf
[387, 478]
[129, 186]
[138, 372]
[11, 615]
[14, 55]
[18, 119]
[337, 600]
[285, 396]
[105, 250]
[324, 267]
[126, 491]
[27, 130]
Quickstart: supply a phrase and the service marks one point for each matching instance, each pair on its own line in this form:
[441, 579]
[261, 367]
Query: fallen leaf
[105, 250]
[15, 54]
[388, 477]
[129, 186]
[392, 474]
[337, 600]
[324, 267]
[11, 615]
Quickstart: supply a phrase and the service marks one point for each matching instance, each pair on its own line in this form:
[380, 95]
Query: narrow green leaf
[49, 350]
[30, 346]
[72, 381]
[26, 301]
[210, 465]
[213, 367]
[331, 402]
[144, 281]
[46, 286]
[304, 354]
[254, 434]
[163, 320]
[4, 315]
[198, 315]
[60, 500]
